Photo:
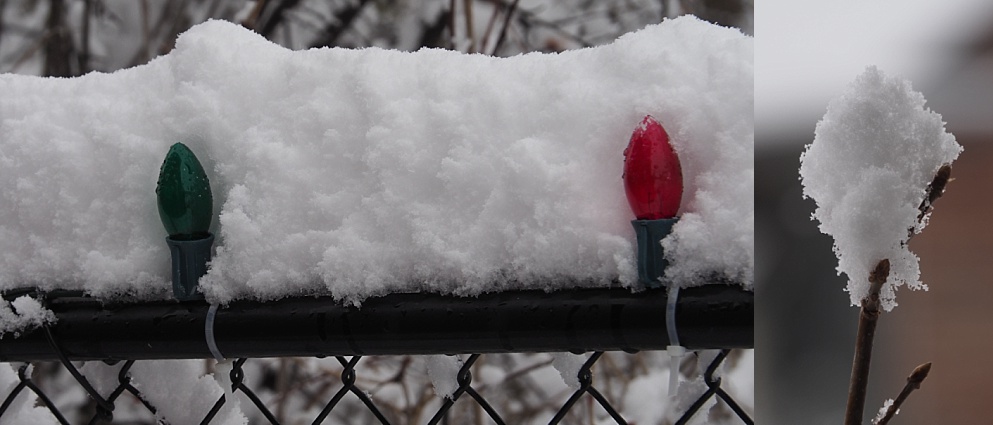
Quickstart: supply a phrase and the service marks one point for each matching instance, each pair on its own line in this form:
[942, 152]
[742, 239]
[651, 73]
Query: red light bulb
[653, 178]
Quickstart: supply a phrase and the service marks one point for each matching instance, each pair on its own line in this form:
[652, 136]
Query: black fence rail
[399, 325]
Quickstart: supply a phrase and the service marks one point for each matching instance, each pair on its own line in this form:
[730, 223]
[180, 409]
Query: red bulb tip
[653, 178]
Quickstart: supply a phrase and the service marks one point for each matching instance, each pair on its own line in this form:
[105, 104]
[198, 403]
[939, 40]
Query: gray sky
[807, 51]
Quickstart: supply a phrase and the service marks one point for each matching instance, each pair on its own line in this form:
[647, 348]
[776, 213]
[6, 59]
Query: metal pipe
[577, 320]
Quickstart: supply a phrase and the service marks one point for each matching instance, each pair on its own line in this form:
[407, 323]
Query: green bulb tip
[183, 191]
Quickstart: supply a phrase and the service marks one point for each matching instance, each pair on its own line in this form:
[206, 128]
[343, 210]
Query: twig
[146, 35]
[84, 44]
[452, 45]
[934, 191]
[58, 42]
[341, 20]
[863, 345]
[913, 383]
[3, 7]
[467, 11]
[252, 19]
[506, 25]
[870, 315]
[486, 34]
[271, 16]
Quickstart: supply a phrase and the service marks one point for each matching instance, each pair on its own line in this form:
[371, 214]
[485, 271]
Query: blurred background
[72, 37]
[64, 38]
[806, 52]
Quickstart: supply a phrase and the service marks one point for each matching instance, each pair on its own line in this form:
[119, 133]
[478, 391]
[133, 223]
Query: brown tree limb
[913, 383]
[863, 345]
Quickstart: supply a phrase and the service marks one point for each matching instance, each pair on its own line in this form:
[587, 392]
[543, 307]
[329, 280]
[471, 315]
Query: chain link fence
[493, 386]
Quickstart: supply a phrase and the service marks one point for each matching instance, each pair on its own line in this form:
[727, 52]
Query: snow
[23, 314]
[357, 173]
[647, 390]
[179, 390]
[874, 154]
[158, 381]
[569, 365]
[23, 409]
[882, 411]
[443, 371]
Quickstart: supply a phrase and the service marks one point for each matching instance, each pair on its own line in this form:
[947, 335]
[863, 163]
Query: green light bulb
[183, 191]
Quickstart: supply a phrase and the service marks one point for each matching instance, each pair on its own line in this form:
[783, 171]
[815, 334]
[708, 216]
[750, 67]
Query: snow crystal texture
[357, 173]
[874, 154]
[23, 314]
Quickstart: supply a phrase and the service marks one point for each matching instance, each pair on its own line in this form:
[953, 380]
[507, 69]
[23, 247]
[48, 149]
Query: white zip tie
[676, 351]
[222, 374]
[209, 333]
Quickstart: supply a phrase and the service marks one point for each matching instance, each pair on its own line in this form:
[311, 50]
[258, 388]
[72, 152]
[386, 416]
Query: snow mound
[362, 172]
[874, 154]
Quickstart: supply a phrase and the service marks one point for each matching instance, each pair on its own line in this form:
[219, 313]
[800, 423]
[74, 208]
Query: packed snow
[23, 314]
[158, 382]
[440, 369]
[357, 173]
[874, 154]
[23, 409]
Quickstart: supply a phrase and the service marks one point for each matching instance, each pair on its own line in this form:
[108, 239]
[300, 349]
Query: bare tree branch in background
[59, 49]
[252, 20]
[343, 19]
[272, 16]
[508, 15]
[38, 36]
[451, 24]
[470, 33]
[728, 13]
[3, 7]
[84, 44]
[434, 32]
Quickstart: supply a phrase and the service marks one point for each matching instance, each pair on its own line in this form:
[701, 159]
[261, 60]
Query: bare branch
[84, 48]
[3, 7]
[451, 24]
[934, 191]
[863, 344]
[490, 24]
[913, 383]
[343, 18]
[506, 24]
[58, 42]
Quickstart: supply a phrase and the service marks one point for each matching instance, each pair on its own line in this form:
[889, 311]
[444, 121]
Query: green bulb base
[189, 263]
[651, 256]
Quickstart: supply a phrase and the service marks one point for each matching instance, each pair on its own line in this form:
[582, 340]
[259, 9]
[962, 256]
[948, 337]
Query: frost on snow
[874, 154]
[357, 173]
[23, 314]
